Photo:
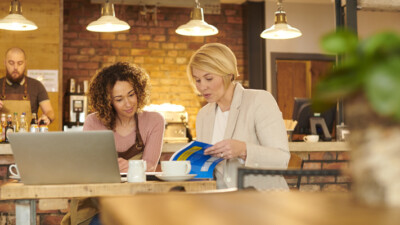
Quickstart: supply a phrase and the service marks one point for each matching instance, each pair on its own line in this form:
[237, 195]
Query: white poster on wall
[49, 78]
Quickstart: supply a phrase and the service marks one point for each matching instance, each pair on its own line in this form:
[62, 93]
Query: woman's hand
[228, 149]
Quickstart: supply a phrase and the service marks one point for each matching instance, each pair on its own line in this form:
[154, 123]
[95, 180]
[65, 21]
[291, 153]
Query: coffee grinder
[75, 102]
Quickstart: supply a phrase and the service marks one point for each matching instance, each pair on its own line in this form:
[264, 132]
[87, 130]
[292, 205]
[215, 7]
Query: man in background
[19, 93]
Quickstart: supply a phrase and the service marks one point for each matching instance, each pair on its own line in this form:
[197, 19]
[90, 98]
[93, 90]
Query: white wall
[314, 20]
[370, 22]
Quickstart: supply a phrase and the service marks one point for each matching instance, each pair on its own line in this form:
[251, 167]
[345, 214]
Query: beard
[15, 80]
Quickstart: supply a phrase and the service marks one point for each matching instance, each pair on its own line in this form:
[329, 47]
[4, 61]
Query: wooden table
[244, 207]
[27, 194]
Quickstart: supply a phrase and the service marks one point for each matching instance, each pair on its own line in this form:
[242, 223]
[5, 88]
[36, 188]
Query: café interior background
[62, 42]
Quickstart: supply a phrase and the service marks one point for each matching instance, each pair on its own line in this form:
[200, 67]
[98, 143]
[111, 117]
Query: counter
[319, 146]
[5, 149]
[293, 147]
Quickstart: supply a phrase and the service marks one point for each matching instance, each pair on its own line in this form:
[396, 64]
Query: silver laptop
[66, 157]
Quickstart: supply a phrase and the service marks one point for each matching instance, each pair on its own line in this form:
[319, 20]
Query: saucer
[153, 173]
[175, 178]
[15, 177]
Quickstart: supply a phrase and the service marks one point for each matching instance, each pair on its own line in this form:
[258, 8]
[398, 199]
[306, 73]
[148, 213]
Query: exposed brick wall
[157, 48]
[325, 161]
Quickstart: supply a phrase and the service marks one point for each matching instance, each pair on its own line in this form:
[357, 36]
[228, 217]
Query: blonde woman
[245, 126]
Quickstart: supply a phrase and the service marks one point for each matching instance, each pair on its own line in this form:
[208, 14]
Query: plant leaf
[383, 88]
[381, 44]
[340, 41]
[339, 83]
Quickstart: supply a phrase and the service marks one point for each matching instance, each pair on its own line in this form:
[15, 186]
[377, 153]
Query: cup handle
[305, 138]
[188, 167]
[11, 170]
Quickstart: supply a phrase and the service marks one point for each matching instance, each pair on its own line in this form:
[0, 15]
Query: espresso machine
[176, 122]
[175, 126]
[75, 106]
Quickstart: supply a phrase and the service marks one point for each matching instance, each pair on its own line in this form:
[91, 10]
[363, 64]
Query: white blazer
[254, 118]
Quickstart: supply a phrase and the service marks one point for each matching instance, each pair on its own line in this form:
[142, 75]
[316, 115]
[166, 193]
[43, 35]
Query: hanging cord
[279, 3]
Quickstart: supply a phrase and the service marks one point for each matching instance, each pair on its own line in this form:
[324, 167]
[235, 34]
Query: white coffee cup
[13, 170]
[311, 138]
[175, 168]
[137, 171]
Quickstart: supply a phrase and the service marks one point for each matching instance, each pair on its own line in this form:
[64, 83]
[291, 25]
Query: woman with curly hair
[117, 95]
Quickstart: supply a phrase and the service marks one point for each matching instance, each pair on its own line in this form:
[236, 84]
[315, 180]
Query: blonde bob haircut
[214, 58]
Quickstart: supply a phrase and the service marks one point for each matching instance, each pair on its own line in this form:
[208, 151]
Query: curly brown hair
[101, 85]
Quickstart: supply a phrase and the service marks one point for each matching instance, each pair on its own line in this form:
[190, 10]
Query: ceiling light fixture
[197, 26]
[108, 22]
[280, 30]
[15, 20]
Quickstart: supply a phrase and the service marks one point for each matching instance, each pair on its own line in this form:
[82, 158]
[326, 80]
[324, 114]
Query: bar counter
[5, 149]
[330, 146]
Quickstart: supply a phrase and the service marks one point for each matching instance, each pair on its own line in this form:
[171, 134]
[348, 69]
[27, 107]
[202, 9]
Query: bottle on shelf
[23, 125]
[1, 134]
[3, 127]
[34, 124]
[9, 127]
[43, 127]
[15, 122]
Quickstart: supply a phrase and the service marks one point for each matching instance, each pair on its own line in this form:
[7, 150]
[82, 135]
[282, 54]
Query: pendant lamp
[108, 22]
[197, 26]
[15, 20]
[280, 30]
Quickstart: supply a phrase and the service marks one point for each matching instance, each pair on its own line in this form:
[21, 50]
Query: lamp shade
[197, 26]
[281, 29]
[15, 20]
[108, 22]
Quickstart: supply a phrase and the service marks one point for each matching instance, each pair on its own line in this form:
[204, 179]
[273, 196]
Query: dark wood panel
[318, 70]
[253, 13]
[291, 82]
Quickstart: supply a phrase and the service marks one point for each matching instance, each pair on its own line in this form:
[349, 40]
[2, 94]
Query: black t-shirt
[36, 91]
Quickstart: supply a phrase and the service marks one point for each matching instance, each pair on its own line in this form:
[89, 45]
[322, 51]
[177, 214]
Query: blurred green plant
[370, 67]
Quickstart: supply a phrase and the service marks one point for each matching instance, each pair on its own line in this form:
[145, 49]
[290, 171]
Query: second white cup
[13, 170]
[175, 168]
[311, 138]
[137, 171]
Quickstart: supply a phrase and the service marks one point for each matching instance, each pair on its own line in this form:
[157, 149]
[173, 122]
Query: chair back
[243, 172]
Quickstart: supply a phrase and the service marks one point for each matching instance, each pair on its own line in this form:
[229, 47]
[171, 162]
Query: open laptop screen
[66, 157]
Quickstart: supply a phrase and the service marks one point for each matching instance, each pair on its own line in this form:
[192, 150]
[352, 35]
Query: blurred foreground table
[26, 195]
[244, 207]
